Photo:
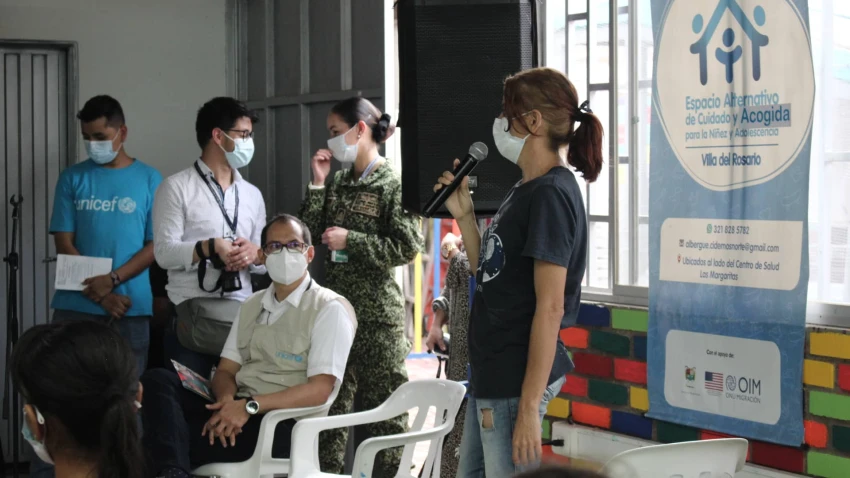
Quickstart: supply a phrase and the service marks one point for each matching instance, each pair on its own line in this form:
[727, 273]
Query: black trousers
[173, 419]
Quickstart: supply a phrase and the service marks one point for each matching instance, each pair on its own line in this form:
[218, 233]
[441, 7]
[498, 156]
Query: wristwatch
[116, 281]
[252, 406]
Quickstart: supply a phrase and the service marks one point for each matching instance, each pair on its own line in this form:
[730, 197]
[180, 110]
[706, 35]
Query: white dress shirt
[330, 339]
[185, 212]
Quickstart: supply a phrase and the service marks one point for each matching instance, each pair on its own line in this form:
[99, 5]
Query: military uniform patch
[366, 203]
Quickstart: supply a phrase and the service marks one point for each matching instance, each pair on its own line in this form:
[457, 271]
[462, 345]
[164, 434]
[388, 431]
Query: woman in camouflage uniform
[368, 234]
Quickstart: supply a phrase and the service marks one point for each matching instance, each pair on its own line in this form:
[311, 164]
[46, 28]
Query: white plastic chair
[261, 463]
[444, 395]
[720, 458]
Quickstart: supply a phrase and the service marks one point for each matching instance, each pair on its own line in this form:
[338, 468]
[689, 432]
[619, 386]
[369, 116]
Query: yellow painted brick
[819, 374]
[639, 398]
[828, 344]
[559, 407]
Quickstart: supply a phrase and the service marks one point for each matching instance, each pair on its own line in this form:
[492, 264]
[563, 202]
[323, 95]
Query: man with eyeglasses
[207, 224]
[287, 349]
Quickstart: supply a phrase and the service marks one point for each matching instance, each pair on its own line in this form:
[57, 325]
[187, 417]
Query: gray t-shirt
[543, 219]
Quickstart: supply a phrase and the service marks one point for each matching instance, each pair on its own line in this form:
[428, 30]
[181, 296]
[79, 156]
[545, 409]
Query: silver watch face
[252, 407]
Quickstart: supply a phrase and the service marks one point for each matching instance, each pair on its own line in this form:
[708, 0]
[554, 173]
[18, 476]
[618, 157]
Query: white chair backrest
[442, 395]
[424, 394]
[697, 459]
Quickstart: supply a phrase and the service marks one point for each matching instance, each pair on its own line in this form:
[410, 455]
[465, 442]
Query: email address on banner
[733, 253]
[732, 246]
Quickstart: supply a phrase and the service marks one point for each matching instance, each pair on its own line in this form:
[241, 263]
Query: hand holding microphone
[452, 188]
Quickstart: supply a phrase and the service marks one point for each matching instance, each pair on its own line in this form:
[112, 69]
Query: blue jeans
[135, 329]
[491, 449]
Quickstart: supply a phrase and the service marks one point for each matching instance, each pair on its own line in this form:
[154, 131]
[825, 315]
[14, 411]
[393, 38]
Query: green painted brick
[829, 405]
[636, 320]
[614, 344]
[829, 466]
[671, 433]
[608, 393]
[547, 430]
[841, 438]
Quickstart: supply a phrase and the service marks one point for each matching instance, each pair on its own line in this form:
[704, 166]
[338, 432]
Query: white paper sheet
[71, 271]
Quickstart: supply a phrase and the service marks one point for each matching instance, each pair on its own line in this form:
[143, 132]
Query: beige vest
[274, 357]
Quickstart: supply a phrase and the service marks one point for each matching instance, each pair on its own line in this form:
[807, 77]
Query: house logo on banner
[742, 136]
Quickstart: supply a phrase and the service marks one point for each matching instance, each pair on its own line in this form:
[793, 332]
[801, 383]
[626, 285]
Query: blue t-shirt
[110, 213]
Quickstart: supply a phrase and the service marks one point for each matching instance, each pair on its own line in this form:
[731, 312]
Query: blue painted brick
[640, 347]
[631, 424]
[594, 316]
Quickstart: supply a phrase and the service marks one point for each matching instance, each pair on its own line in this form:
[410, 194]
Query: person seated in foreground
[81, 392]
[560, 472]
[287, 349]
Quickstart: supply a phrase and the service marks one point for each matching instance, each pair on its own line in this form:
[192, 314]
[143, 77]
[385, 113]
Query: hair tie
[584, 111]
[385, 118]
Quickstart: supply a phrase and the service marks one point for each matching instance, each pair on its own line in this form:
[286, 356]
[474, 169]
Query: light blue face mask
[37, 446]
[101, 151]
[243, 151]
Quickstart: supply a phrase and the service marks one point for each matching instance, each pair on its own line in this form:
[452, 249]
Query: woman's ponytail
[121, 452]
[585, 147]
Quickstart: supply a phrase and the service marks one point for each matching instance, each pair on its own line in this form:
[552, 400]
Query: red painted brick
[595, 365]
[575, 337]
[779, 457]
[709, 435]
[844, 377]
[552, 458]
[575, 386]
[816, 434]
[591, 415]
[630, 371]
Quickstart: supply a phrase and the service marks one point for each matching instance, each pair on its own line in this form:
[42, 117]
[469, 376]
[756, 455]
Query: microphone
[477, 152]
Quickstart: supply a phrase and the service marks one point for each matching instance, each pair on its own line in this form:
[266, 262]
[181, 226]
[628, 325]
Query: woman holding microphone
[368, 234]
[531, 262]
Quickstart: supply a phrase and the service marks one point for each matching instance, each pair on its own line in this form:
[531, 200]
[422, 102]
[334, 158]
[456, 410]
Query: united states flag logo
[714, 382]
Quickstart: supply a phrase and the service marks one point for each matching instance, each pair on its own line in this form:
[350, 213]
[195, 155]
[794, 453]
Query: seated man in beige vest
[287, 349]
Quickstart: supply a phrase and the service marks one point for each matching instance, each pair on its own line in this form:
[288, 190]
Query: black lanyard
[220, 200]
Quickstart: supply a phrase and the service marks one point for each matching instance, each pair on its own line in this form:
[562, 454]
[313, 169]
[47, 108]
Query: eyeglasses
[294, 247]
[243, 133]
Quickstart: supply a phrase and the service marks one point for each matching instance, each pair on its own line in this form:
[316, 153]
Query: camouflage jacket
[381, 236]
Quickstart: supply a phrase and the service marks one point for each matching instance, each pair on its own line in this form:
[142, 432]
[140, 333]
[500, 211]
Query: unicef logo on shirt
[734, 88]
[127, 205]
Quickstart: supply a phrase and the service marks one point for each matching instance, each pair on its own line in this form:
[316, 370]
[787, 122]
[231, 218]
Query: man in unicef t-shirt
[102, 208]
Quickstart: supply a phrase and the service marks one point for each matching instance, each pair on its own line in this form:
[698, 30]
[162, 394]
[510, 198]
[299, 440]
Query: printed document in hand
[71, 271]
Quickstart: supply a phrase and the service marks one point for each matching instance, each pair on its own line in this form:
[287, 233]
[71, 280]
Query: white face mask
[101, 151]
[508, 145]
[286, 267]
[37, 446]
[343, 152]
[243, 151]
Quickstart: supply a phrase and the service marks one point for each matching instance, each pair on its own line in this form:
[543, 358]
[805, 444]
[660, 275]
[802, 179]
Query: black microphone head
[478, 151]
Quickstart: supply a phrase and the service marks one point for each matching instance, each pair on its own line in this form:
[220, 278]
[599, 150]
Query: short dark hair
[357, 108]
[102, 106]
[82, 377]
[222, 112]
[306, 238]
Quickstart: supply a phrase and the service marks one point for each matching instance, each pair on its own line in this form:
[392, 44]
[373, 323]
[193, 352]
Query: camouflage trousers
[374, 371]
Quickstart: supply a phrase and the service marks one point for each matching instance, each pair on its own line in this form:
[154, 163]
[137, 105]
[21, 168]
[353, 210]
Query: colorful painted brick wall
[608, 390]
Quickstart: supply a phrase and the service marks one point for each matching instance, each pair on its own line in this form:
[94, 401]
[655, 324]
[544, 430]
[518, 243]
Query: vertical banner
[733, 101]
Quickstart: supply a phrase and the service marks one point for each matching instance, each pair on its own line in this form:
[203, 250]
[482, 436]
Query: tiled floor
[418, 369]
